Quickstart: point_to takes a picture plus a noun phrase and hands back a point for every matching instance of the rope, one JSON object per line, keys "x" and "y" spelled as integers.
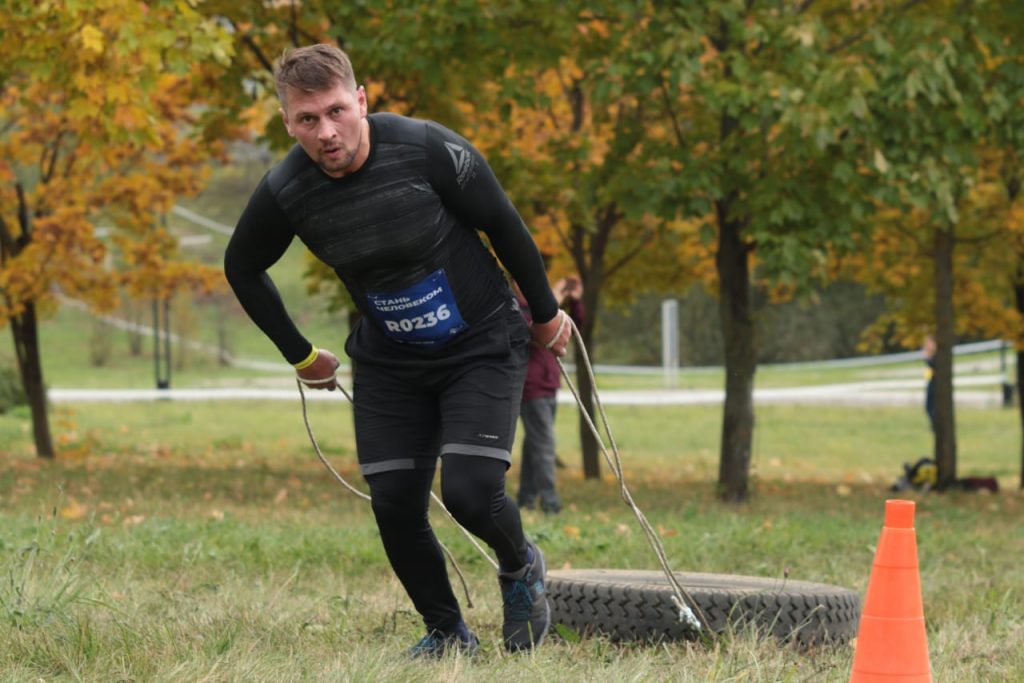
{"x": 682, "y": 600}
{"x": 316, "y": 447}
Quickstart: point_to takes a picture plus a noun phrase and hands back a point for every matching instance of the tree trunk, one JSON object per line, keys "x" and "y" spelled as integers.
{"x": 945, "y": 422}
{"x": 1018, "y": 291}
{"x": 588, "y": 444}
{"x": 588, "y": 249}
{"x": 732, "y": 262}
{"x": 25, "y": 330}
{"x": 1020, "y": 408}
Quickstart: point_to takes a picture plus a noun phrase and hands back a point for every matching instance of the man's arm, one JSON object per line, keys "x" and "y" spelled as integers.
{"x": 468, "y": 187}
{"x": 261, "y": 237}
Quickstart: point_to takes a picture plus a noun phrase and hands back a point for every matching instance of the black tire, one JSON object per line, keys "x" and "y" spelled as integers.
{"x": 637, "y": 606}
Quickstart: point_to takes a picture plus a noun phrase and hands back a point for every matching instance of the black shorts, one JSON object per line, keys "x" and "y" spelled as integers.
{"x": 411, "y": 409}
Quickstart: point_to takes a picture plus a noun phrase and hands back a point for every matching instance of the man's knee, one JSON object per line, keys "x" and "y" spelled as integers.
{"x": 463, "y": 502}
{"x": 470, "y": 485}
{"x": 396, "y": 496}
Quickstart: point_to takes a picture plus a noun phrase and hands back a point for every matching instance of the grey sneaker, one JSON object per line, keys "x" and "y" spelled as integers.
{"x": 436, "y": 645}
{"x": 527, "y": 612}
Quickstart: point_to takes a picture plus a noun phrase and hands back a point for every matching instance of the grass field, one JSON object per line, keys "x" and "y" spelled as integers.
{"x": 204, "y": 542}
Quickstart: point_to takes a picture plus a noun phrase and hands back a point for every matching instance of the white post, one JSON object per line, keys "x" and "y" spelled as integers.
{"x": 670, "y": 340}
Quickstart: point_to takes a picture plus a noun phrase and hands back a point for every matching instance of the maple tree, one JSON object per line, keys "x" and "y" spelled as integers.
{"x": 764, "y": 103}
{"x": 98, "y": 107}
{"x": 948, "y": 133}
{"x": 418, "y": 59}
{"x": 783, "y": 118}
{"x": 562, "y": 127}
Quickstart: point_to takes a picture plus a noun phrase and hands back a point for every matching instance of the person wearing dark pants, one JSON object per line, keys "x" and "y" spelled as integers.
{"x": 928, "y": 351}
{"x": 394, "y": 206}
{"x": 537, "y": 473}
{"x": 539, "y": 406}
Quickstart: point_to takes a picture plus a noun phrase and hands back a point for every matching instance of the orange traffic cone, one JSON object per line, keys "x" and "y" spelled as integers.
{"x": 892, "y": 646}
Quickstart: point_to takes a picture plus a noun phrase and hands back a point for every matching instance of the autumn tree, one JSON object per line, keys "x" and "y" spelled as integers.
{"x": 766, "y": 105}
{"x": 97, "y": 109}
{"x": 948, "y": 131}
{"x": 418, "y": 59}
{"x": 1002, "y": 272}
{"x": 565, "y": 126}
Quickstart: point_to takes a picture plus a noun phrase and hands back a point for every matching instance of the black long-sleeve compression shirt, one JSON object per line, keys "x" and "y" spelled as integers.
{"x": 400, "y": 233}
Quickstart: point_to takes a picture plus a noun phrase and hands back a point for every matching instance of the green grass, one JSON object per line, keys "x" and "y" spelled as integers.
{"x": 203, "y": 541}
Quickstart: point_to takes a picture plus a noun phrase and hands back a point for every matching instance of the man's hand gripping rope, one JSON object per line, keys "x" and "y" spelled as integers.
{"x": 319, "y": 370}
{"x": 554, "y": 334}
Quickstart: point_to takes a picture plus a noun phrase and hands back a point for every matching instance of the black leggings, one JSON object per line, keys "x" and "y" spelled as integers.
{"x": 473, "y": 490}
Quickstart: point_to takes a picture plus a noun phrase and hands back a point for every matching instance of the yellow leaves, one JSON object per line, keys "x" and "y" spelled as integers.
{"x": 132, "y": 520}
{"x": 92, "y": 39}
{"x": 131, "y": 117}
{"x": 101, "y": 127}
{"x": 589, "y": 22}
{"x": 881, "y": 163}
{"x": 73, "y": 510}
{"x": 803, "y": 34}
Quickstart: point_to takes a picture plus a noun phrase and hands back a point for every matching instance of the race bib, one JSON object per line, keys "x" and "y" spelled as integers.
{"x": 424, "y": 314}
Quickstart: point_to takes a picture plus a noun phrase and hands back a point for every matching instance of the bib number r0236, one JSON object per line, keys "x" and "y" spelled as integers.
{"x": 424, "y": 313}
{"x": 420, "y": 322}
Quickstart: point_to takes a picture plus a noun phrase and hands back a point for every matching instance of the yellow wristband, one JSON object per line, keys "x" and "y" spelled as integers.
{"x": 310, "y": 359}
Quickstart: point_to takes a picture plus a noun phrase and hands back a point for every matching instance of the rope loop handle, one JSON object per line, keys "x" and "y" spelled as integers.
{"x": 317, "y": 382}
{"x": 561, "y": 328}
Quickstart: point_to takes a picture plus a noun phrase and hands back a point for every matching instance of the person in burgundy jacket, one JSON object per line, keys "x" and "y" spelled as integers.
{"x": 537, "y": 472}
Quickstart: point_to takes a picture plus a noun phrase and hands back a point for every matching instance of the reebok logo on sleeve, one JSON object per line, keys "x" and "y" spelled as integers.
{"x": 465, "y": 164}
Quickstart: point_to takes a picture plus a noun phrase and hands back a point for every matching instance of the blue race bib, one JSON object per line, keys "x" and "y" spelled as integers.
{"x": 424, "y": 314}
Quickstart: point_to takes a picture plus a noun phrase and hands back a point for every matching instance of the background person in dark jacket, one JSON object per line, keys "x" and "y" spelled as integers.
{"x": 928, "y": 350}
{"x": 538, "y": 462}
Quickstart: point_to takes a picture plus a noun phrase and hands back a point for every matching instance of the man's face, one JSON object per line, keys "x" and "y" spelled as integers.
{"x": 330, "y": 125}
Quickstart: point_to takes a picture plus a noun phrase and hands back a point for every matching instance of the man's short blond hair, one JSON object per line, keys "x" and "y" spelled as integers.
{"x": 313, "y": 68}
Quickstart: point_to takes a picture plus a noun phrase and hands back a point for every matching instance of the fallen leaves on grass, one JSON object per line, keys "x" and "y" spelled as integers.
{"x": 74, "y": 510}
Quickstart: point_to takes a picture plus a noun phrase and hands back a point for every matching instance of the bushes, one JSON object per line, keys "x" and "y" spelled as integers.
{"x": 12, "y": 394}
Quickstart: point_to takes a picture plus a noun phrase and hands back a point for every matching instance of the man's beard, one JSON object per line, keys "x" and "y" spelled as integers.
{"x": 344, "y": 162}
